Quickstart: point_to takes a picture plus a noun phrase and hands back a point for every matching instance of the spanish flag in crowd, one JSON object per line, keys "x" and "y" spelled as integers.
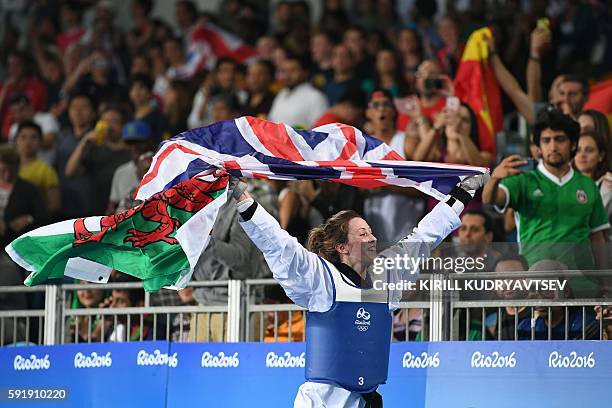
{"x": 476, "y": 85}
{"x": 600, "y": 98}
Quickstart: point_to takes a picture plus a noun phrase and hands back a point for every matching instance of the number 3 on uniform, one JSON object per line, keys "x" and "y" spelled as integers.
{"x": 360, "y": 380}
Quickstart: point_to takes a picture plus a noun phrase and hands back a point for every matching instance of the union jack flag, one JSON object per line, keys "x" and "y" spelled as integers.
{"x": 256, "y": 148}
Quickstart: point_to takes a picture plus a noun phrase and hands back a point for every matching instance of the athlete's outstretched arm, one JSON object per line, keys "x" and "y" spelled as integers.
{"x": 442, "y": 220}
{"x": 300, "y": 272}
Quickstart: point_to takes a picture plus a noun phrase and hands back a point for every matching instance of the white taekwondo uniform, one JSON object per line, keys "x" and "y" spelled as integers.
{"x": 311, "y": 282}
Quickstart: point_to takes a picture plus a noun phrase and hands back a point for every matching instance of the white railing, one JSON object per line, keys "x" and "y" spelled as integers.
{"x": 441, "y": 314}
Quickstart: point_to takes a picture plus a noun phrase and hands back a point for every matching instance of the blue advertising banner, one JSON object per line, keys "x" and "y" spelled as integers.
{"x": 236, "y": 375}
{"x": 90, "y": 375}
{"x": 448, "y": 374}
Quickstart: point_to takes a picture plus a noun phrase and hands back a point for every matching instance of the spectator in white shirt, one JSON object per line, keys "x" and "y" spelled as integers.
{"x": 299, "y": 103}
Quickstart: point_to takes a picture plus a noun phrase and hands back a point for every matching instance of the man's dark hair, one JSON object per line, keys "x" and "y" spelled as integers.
{"x": 28, "y": 124}
{"x": 488, "y": 222}
{"x": 191, "y": 8}
{"x": 269, "y": 66}
{"x": 177, "y": 40}
{"x": 331, "y": 37}
{"x": 116, "y": 108}
{"x": 136, "y": 295}
{"x": 581, "y": 80}
{"x": 354, "y": 96}
{"x": 10, "y": 157}
{"x": 143, "y": 80}
{"x": 147, "y": 5}
{"x": 304, "y": 61}
{"x": 512, "y": 257}
{"x": 225, "y": 60}
{"x": 556, "y": 120}
{"x": 230, "y": 100}
{"x": 87, "y": 96}
{"x": 357, "y": 28}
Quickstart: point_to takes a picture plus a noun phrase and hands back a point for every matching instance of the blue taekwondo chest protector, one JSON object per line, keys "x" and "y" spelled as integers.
{"x": 349, "y": 344}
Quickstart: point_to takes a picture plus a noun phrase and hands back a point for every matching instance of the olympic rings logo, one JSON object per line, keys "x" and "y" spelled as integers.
{"x": 363, "y": 314}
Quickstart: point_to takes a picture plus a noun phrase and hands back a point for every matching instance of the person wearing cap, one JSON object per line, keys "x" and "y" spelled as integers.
{"x": 99, "y": 153}
{"x": 22, "y": 111}
{"x": 140, "y": 141}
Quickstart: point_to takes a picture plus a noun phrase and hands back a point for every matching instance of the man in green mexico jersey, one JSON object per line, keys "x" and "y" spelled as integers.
{"x": 559, "y": 211}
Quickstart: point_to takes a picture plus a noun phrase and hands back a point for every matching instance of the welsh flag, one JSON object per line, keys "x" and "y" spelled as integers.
{"x": 161, "y": 240}
{"x": 476, "y": 85}
{"x": 158, "y": 241}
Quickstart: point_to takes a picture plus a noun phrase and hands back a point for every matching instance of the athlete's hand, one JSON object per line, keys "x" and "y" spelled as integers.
{"x": 474, "y": 183}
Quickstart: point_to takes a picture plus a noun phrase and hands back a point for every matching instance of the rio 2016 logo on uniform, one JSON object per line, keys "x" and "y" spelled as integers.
{"x": 363, "y": 319}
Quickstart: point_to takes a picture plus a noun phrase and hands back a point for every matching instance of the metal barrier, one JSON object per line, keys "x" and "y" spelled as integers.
{"x": 20, "y": 322}
{"x": 172, "y": 323}
{"x": 438, "y": 315}
{"x": 529, "y": 311}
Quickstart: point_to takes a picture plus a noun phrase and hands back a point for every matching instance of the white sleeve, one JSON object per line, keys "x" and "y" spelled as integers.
{"x": 48, "y": 123}
{"x": 300, "y": 272}
{"x": 431, "y": 231}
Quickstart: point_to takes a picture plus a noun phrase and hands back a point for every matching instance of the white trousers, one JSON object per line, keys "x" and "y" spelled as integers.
{"x": 320, "y": 395}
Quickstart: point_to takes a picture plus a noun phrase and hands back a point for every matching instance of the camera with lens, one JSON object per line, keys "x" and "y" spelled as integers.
{"x": 434, "y": 83}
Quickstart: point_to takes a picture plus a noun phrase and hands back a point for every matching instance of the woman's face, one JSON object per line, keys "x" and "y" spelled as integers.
{"x": 588, "y": 155}
{"x": 361, "y": 243}
{"x": 90, "y": 298}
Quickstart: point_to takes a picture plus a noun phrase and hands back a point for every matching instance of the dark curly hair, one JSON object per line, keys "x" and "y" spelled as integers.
{"x": 556, "y": 120}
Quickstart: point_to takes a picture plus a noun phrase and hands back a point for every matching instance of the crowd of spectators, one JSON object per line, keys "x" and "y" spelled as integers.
{"x": 84, "y": 102}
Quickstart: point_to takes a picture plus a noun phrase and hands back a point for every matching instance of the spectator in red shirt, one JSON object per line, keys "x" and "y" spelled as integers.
{"x": 20, "y": 80}
{"x": 349, "y": 110}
